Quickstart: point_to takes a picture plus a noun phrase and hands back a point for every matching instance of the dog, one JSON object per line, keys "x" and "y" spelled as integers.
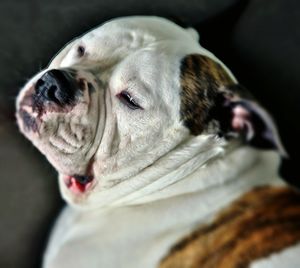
{"x": 164, "y": 159}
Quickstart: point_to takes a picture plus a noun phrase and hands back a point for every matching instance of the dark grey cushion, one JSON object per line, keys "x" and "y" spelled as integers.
{"x": 29, "y": 200}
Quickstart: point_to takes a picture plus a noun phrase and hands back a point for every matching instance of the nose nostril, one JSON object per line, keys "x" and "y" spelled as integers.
{"x": 39, "y": 83}
{"x": 51, "y": 93}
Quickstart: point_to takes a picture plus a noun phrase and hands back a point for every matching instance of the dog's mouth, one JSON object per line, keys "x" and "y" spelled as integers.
{"x": 79, "y": 184}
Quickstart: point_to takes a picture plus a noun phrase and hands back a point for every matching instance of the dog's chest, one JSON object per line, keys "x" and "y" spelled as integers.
{"x": 134, "y": 236}
{"x": 142, "y": 236}
{"x": 127, "y": 237}
{"x": 139, "y": 238}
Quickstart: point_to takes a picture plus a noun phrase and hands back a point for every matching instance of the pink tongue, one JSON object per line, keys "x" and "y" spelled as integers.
{"x": 76, "y": 187}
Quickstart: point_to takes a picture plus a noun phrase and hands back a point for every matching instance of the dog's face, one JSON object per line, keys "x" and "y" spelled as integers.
{"x": 113, "y": 102}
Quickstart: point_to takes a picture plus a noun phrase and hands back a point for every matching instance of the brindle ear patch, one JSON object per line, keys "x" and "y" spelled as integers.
{"x": 201, "y": 78}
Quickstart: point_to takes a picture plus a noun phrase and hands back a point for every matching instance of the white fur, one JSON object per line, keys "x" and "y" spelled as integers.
{"x": 286, "y": 258}
{"x": 154, "y": 182}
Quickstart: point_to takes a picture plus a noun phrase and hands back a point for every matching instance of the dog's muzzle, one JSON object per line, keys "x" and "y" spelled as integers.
{"x": 58, "y": 113}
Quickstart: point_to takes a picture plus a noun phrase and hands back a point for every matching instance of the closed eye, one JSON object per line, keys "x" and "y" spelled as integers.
{"x": 128, "y": 100}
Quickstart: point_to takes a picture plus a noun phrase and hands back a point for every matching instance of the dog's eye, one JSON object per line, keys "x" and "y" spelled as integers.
{"x": 81, "y": 51}
{"x": 126, "y": 99}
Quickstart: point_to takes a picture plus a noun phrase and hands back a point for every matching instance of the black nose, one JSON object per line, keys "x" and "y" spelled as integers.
{"x": 56, "y": 86}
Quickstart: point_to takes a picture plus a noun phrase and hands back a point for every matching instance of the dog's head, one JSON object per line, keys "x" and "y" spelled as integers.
{"x": 115, "y": 102}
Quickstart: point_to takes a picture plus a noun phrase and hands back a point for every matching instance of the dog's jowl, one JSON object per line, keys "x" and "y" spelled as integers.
{"x": 163, "y": 158}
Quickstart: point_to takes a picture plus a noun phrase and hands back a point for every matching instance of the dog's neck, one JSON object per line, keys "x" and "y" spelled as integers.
{"x": 217, "y": 173}
{"x": 206, "y": 165}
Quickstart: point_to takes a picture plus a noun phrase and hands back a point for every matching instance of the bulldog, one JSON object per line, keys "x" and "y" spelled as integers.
{"x": 164, "y": 159}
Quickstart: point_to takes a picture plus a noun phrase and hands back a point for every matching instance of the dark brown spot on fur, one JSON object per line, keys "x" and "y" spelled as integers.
{"x": 263, "y": 221}
{"x": 201, "y": 79}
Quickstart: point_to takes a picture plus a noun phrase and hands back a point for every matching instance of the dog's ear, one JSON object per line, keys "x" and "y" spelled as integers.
{"x": 212, "y": 100}
{"x": 239, "y": 115}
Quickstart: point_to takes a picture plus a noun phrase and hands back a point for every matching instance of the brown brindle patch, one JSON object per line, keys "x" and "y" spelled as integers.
{"x": 201, "y": 79}
{"x": 261, "y": 222}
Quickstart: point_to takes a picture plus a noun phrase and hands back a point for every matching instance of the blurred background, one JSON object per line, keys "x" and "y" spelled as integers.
{"x": 258, "y": 40}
